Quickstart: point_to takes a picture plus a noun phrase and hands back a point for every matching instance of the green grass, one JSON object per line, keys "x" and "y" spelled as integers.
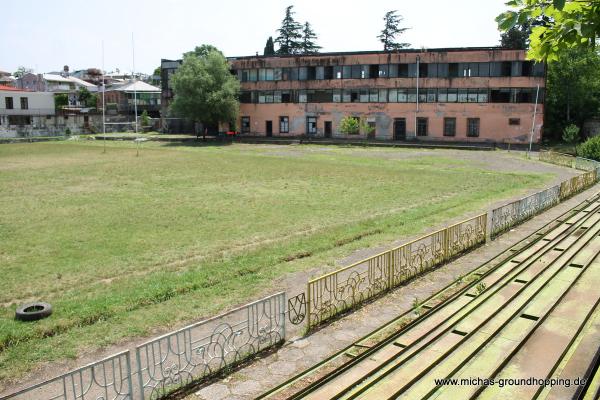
{"x": 124, "y": 245}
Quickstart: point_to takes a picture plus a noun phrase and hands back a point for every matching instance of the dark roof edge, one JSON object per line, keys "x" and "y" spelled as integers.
{"x": 349, "y": 53}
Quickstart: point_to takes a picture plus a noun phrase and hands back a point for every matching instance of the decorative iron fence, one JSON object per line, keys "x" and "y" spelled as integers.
{"x": 552, "y": 157}
{"x": 567, "y": 160}
{"x": 585, "y": 164}
{"x": 200, "y": 350}
{"x": 576, "y": 184}
{"x": 333, "y": 293}
{"x": 511, "y": 214}
{"x": 297, "y": 308}
{"x": 107, "y": 379}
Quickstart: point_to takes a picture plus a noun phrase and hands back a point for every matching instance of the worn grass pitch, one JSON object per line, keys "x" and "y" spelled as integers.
{"x": 124, "y": 245}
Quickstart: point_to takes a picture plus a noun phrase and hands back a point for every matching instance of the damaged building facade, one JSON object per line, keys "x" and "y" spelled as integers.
{"x": 467, "y": 94}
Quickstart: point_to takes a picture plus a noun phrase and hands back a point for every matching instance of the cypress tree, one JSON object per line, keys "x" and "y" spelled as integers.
{"x": 308, "y": 40}
{"x": 269, "y": 47}
{"x": 391, "y": 30}
{"x": 289, "y": 39}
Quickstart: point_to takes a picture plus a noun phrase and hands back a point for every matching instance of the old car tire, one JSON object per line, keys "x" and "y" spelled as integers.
{"x": 33, "y": 311}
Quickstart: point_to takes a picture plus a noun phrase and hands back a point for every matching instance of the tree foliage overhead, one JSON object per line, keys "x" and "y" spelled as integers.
{"x": 205, "y": 91}
{"x": 562, "y": 24}
{"x": 309, "y": 45}
{"x": 290, "y": 34}
{"x": 573, "y": 89}
{"x": 269, "y": 47}
{"x": 516, "y": 37}
{"x": 391, "y": 30}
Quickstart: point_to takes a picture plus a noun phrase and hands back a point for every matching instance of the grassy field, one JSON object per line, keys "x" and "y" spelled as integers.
{"x": 124, "y": 245}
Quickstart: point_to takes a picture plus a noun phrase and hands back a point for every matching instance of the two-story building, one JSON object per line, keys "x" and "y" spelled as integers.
{"x": 454, "y": 94}
{"x": 24, "y": 111}
{"x": 124, "y": 97}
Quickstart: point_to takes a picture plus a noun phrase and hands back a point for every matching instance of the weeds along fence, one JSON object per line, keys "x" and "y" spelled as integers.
{"x": 199, "y": 351}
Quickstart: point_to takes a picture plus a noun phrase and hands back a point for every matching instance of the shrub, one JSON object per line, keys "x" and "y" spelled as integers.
{"x": 350, "y": 125}
{"x": 571, "y": 134}
{"x": 68, "y": 132}
{"x": 590, "y": 148}
{"x": 145, "y": 118}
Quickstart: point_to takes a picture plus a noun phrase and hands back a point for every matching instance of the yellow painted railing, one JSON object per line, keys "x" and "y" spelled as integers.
{"x": 337, "y": 291}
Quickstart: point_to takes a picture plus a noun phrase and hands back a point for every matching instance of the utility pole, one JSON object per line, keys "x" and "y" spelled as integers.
{"x": 537, "y": 94}
{"x": 134, "y": 83}
{"x": 103, "y": 102}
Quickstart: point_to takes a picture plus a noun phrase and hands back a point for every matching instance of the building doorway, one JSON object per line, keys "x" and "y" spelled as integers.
{"x": 399, "y": 128}
{"x": 328, "y": 129}
{"x": 311, "y": 125}
{"x": 269, "y": 128}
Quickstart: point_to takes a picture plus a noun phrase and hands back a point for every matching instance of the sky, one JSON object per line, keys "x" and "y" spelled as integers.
{"x": 46, "y": 35}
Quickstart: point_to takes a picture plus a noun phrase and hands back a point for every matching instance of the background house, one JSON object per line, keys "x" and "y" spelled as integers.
{"x": 120, "y": 98}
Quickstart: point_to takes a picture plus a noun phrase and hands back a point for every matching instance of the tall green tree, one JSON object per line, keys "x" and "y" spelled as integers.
{"x": 61, "y": 100}
{"x": 573, "y": 89}
{"x": 290, "y": 34}
{"x": 203, "y": 50}
{"x": 309, "y": 46}
{"x": 391, "y": 30}
{"x": 269, "y": 47}
{"x": 565, "y": 24}
{"x": 205, "y": 91}
{"x": 22, "y": 71}
{"x": 516, "y": 37}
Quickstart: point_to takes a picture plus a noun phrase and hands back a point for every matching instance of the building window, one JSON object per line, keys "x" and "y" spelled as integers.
{"x": 514, "y": 121}
{"x": 24, "y": 103}
{"x": 245, "y": 124}
{"x": 337, "y": 95}
{"x": 9, "y": 103}
{"x": 311, "y": 125}
{"x": 372, "y": 127}
{"x": 245, "y": 97}
{"x": 364, "y": 95}
{"x": 449, "y": 126}
{"x": 472, "y": 127}
{"x": 20, "y": 120}
{"x": 421, "y": 126}
{"x": 337, "y": 72}
{"x": 284, "y": 125}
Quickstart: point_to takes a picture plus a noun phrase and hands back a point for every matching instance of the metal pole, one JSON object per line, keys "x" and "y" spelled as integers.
{"x": 103, "y": 102}
{"x": 417, "y": 111}
{"x": 537, "y": 93}
{"x": 134, "y": 81}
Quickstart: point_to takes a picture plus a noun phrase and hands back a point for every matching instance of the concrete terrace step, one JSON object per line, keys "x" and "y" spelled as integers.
{"x": 496, "y": 330}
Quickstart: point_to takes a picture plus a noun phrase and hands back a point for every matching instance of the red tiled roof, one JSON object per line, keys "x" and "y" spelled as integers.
{"x": 14, "y": 89}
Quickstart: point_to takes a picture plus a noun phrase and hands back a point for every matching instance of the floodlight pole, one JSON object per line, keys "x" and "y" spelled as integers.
{"x": 134, "y": 90}
{"x": 537, "y": 94}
